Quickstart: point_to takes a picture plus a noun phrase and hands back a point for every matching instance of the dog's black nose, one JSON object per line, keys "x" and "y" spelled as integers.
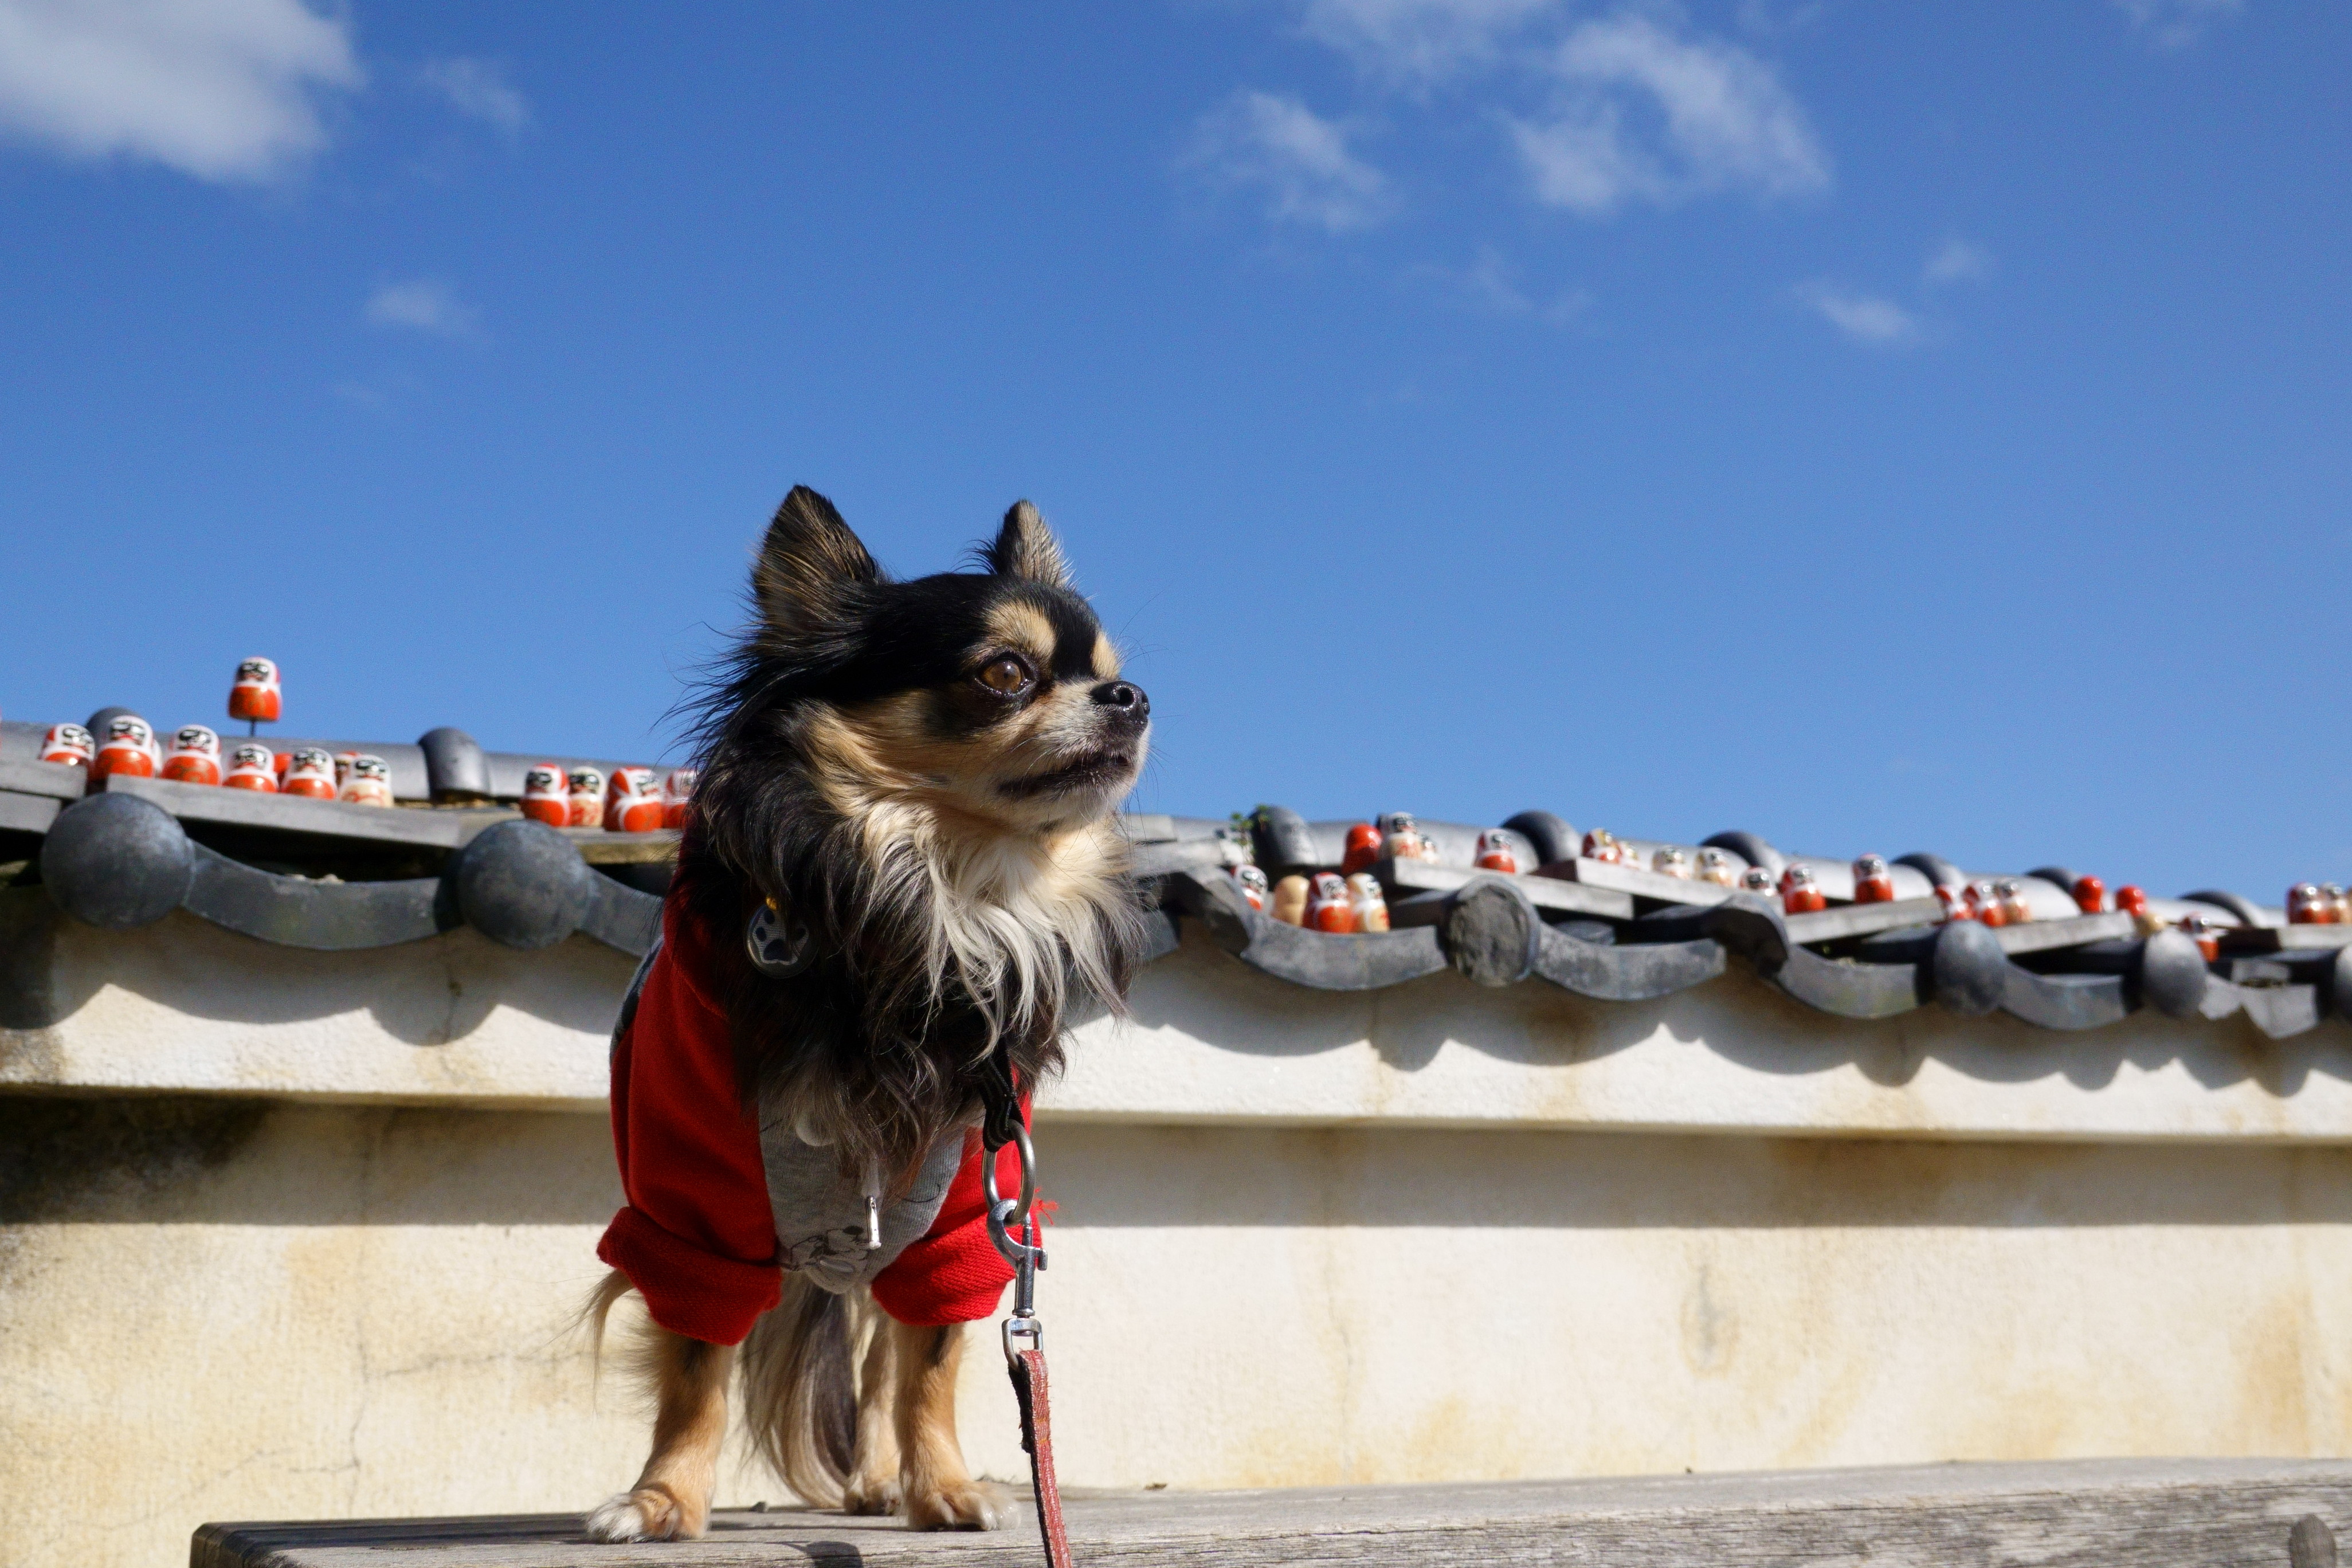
{"x": 1125, "y": 699}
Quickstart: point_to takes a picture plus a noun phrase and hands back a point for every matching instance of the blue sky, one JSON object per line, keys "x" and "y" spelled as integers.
{"x": 1882, "y": 426}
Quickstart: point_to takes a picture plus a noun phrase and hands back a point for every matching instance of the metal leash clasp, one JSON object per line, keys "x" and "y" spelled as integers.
{"x": 1022, "y": 1330}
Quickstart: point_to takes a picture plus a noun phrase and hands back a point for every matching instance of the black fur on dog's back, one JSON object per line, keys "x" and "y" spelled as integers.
{"x": 950, "y": 846}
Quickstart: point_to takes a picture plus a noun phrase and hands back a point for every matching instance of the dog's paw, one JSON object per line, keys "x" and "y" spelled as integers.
{"x": 871, "y": 1497}
{"x": 645, "y": 1514}
{"x": 961, "y": 1505}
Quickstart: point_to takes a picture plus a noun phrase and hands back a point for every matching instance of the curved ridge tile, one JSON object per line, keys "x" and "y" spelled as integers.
{"x": 2280, "y": 1011}
{"x": 2065, "y": 1001}
{"x": 621, "y": 917}
{"x": 325, "y": 917}
{"x": 1630, "y": 973}
{"x": 1328, "y": 962}
{"x": 1847, "y": 990}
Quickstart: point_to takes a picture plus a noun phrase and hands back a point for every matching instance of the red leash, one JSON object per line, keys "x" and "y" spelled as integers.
{"x": 1025, "y": 1336}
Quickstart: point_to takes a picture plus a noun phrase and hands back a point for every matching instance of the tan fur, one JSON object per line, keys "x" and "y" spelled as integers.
{"x": 907, "y": 1458}
{"x": 939, "y": 1492}
{"x": 671, "y": 1500}
{"x": 1023, "y": 627}
{"x": 1005, "y": 902}
{"x": 1106, "y": 658}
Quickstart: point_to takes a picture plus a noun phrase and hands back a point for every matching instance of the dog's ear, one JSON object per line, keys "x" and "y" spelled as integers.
{"x": 806, "y": 563}
{"x": 1024, "y": 548}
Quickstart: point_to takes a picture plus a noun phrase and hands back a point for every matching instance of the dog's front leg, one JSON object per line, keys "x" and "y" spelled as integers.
{"x": 873, "y": 1460}
{"x": 672, "y": 1499}
{"x": 939, "y": 1492}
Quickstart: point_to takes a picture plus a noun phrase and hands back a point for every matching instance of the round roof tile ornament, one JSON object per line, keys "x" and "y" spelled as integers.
{"x": 1971, "y": 969}
{"x": 2172, "y": 973}
{"x": 1492, "y": 934}
{"x": 116, "y": 862}
{"x": 523, "y": 885}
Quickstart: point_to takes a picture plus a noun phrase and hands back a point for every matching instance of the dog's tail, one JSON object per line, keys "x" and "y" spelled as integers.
{"x": 800, "y": 1395}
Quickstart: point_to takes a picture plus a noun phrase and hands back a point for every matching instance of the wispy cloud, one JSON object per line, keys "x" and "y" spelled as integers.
{"x": 1419, "y": 40}
{"x": 1957, "y": 261}
{"x": 220, "y": 89}
{"x": 1297, "y": 161}
{"x": 1864, "y": 317}
{"x": 1650, "y": 116}
{"x": 421, "y": 303}
{"x": 2176, "y": 24}
{"x": 1490, "y": 285}
{"x": 478, "y": 89}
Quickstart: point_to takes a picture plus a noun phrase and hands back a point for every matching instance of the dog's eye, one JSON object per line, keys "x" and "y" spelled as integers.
{"x": 1007, "y": 676}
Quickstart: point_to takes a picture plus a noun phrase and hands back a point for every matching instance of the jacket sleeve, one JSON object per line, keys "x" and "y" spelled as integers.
{"x": 953, "y": 1273}
{"x": 696, "y": 1237}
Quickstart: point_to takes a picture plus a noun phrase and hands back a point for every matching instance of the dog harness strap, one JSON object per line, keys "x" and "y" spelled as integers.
{"x": 1037, "y": 1437}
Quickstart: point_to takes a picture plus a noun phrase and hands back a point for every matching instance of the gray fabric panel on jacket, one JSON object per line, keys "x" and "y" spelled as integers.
{"x": 820, "y": 1214}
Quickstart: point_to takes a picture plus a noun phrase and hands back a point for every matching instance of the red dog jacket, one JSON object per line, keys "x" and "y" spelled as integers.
{"x": 699, "y": 1235}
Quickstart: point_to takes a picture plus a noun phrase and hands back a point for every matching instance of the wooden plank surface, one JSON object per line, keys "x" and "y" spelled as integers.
{"x": 2090, "y": 1513}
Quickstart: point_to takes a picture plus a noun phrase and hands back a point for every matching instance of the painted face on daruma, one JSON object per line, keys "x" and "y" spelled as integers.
{"x": 1012, "y": 703}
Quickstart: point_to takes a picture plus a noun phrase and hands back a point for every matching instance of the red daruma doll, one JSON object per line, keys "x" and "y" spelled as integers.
{"x": 1496, "y": 854}
{"x": 1601, "y": 844}
{"x": 677, "y": 794}
{"x": 310, "y": 774}
{"x": 69, "y": 746}
{"x": 252, "y": 768}
{"x": 367, "y": 781}
{"x": 195, "y": 755}
{"x": 587, "y": 790}
{"x": 1252, "y": 884}
{"x": 1363, "y": 850}
{"x": 1800, "y": 894}
{"x": 255, "y": 697}
{"x": 2090, "y": 895}
{"x": 632, "y": 802}
{"x": 129, "y": 748}
{"x": 1873, "y": 882}
{"x": 1327, "y": 909}
{"x": 545, "y": 796}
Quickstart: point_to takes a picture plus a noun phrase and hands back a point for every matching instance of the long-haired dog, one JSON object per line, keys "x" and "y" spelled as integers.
{"x": 918, "y": 778}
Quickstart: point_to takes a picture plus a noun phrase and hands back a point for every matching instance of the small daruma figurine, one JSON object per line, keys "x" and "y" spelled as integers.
{"x": 1672, "y": 860}
{"x": 1715, "y": 866}
{"x": 309, "y": 773}
{"x": 129, "y": 748}
{"x": 2304, "y": 907}
{"x": 1957, "y": 905}
{"x": 2339, "y": 904}
{"x": 1405, "y": 840}
{"x": 2090, "y": 895}
{"x": 1367, "y": 903}
{"x": 1984, "y": 903}
{"x": 255, "y": 697}
{"x": 587, "y": 788}
{"x": 2014, "y": 909}
{"x": 1290, "y": 901}
{"x": 195, "y": 755}
{"x": 1801, "y": 892}
{"x": 1364, "y": 842}
{"x": 2206, "y": 932}
{"x": 1758, "y": 881}
{"x": 1874, "y": 882}
{"x": 632, "y": 802}
{"x": 252, "y": 768}
{"x": 1601, "y": 844}
{"x": 343, "y": 760}
{"x": 1253, "y": 885}
{"x": 367, "y": 781}
{"x": 69, "y": 746}
{"x": 1327, "y": 909}
{"x": 677, "y": 794}
{"x": 545, "y": 796}
{"x": 1498, "y": 853}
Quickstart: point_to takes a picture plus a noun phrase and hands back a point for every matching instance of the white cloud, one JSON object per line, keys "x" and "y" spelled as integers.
{"x": 479, "y": 88}
{"x": 1419, "y": 40}
{"x": 221, "y": 90}
{"x": 1957, "y": 261}
{"x": 1865, "y": 318}
{"x": 1652, "y": 116}
{"x": 2176, "y": 24}
{"x": 422, "y": 303}
{"x": 1296, "y": 159}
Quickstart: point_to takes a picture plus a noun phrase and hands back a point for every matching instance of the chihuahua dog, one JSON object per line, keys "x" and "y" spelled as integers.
{"x": 900, "y": 859}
